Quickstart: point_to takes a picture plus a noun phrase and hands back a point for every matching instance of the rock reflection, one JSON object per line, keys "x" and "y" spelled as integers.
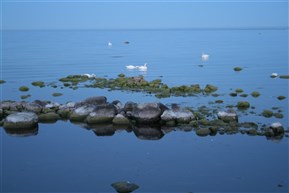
{"x": 22, "y": 132}
{"x": 148, "y": 132}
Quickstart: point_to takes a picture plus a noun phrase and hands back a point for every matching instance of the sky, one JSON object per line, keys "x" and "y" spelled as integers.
{"x": 142, "y": 14}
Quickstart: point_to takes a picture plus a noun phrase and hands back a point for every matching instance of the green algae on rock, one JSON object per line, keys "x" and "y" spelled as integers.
{"x": 237, "y": 69}
{"x": 255, "y": 94}
{"x": 281, "y": 97}
{"x": 243, "y": 105}
{"x": 56, "y": 94}
{"x": 25, "y": 96}
{"x": 267, "y": 113}
{"x": 23, "y": 88}
{"x": 239, "y": 90}
{"x": 2, "y": 81}
{"x": 284, "y": 76}
{"x": 38, "y": 83}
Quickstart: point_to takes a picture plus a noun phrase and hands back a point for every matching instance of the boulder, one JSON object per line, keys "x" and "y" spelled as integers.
{"x": 124, "y": 186}
{"x": 50, "y": 117}
{"x": 32, "y": 107}
{"x": 79, "y": 114}
{"x": 275, "y": 129}
{"x": 119, "y": 119}
{"x": 146, "y": 112}
{"x": 97, "y": 100}
{"x": 228, "y": 116}
{"x": 179, "y": 115}
{"x": 102, "y": 114}
{"x": 203, "y": 132}
{"x": 21, "y": 120}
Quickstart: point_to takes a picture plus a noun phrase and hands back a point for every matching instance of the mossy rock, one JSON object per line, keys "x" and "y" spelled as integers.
{"x": 219, "y": 101}
{"x": 38, "y": 83}
{"x": 237, "y": 69}
{"x": 121, "y": 75}
{"x": 281, "y": 97}
{"x": 25, "y": 96}
{"x": 203, "y": 132}
{"x": 239, "y": 90}
{"x": 284, "y": 76}
{"x": 23, "y": 88}
{"x": 243, "y": 105}
{"x": 278, "y": 115}
{"x": 255, "y": 94}
{"x": 233, "y": 94}
{"x": 64, "y": 113}
{"x": 252, "y": 132}
{"x": 48, "y": 117}
{"x": 243, "y": 95}
{"x": 2, "y": 81}
{"x": 210, "y": 88}
{"x": 57, "y": 94}
{"x": 267, "y": 113}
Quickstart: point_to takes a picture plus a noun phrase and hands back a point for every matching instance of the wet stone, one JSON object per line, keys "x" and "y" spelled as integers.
{"x": 21, "y": 120}
{"x": 124, "y": 186}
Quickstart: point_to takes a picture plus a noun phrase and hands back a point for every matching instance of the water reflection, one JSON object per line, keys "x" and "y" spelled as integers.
{"x": 22, "y": 132}
{"x": 157, "y": 132}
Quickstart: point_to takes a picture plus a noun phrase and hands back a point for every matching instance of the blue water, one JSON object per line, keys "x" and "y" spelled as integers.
{"x": 64, "y": 157}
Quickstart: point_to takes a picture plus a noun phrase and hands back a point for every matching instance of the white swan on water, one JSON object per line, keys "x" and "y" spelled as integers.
{"x": 141, "y": 68}
{"x": 274, "y": 74}
{"x": 205, "y": 57}
{"x": 131, "y": 67}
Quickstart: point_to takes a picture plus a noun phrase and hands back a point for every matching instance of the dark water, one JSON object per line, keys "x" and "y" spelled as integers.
{"x": 64, "y": 157}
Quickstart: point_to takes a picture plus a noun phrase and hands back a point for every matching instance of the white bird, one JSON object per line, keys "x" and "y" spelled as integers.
{"x": 109, "y": 44}
{"x": 143, "y": 67}
{"x": 90, "y": 75}
{"x": 205, "y": 57}
{"x": 274, "y": 75}
{"x": 131, "y": 67}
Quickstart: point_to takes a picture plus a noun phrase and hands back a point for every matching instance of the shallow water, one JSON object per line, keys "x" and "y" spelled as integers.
{"x": 179, "y": 161}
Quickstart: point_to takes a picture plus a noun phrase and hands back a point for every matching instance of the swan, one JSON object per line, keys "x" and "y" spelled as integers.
{"x": 131, "y": 67}
{"x": 90, "y": 75}
{"x": 273, "y": 75}
{"x": 109, "y": 44}
{"x": 143, "y": 68}
{"x": 205, "y": 57}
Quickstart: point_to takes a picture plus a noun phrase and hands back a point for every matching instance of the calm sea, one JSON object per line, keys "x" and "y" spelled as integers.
{"x": 64, "y": 157}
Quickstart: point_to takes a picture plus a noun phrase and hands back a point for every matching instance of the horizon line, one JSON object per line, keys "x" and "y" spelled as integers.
{"x": 181, "y": 28}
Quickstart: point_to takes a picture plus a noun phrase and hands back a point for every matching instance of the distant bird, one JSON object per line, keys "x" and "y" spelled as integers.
{"x": 131, "y": 67}
{"x": 273, "y": 75}
{"x": 205, "y": 57}
{"x": 143, "y": 67}
{"x": 109, "y": 44}
{"x": 90, "y": 75}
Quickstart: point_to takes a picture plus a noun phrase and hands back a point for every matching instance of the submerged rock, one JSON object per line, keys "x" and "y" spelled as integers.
{"x": 21, "y": 120}
{"x": 203, "y": 132}
{"x": 228, "y": 116}
{"x": 124, "y": 186}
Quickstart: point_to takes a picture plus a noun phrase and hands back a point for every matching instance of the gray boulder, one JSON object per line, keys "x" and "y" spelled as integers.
{"x": 179, "y": 115}
{"x": 119, "y": 119}
{"x": 32, "y": 107}
{"x": 79, "y": 114}
{"x": 102, "y": 114}
{"x": 97, "y": 100}
{"x": 146, "y": 112}
{"x": 21, "y": 120}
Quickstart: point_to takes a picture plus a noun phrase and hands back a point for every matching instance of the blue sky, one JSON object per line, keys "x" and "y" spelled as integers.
{"x": 148, "y": 14}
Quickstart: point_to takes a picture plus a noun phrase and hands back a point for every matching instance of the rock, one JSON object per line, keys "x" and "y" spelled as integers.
{"x": 124, "y": 186}
{"x": 129, "y": 106}
{"x": 80, "y": 113}
{"x": 275, "y": 129}
{"x": 32, "y": 107}
{"x": 119, "y": 119}
{"x": 228, "y": 116}
{"x": 179, "y": 115}
{"x": 21, "y": 120}
{"x": 102, "y": 114}
{"x": 243, "y": 105}
{"x": 48, "y": 117}
{"x": 146, "y": 112}
{"x": 203, "y": 132}
{"x": 97, "y": 100}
